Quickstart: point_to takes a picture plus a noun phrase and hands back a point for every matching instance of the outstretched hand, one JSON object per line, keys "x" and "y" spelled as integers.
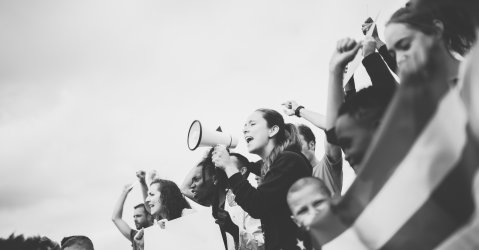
{"x": 369, "y": 46}
{"x": 345, "y": 52}
{"x": 141, "y": 174}
{"x": 290, "y": 107}
{"x": 127, "y": 188}
{"x": 140, "y": 241}
{"x": 221, "y": 157}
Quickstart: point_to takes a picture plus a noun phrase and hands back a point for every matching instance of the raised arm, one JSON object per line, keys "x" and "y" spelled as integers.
{"x": 185, "y": 186}
{"x": 345, "y": 51}
{"x": 118, "y": 212}
{"x": 317, "y": 119}
{"x": 144, "y": 188}
{"x": 379, "y": 73}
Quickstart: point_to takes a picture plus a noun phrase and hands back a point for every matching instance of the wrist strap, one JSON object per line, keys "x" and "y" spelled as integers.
{"x": 298, "y": 110}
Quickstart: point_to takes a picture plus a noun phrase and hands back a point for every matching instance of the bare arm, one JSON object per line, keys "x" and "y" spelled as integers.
{"x": 345, "y": 51}
{"x": 118, "y": 212}
{"x": 185, "y": 186}
{"x": 144, "y": 188}
{"x": 315, "y": 118}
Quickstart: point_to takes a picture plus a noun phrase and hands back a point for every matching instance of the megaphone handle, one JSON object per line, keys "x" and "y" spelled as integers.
{"x": 231, "y": 141}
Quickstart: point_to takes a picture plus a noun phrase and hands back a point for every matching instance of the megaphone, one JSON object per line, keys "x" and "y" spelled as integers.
{"x": 199, "y": 137}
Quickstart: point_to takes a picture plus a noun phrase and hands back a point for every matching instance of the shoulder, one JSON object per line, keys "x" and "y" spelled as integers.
{"x": 187, "y": 211}
{"x": 292, "y": 159}
{"x": 132, "y": 234}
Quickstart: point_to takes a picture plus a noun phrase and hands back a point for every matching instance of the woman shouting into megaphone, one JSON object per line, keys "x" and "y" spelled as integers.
{"x": 279, "y": 147}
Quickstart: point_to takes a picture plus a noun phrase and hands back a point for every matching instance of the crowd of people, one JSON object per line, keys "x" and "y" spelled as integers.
{"x": 423, "y": 40}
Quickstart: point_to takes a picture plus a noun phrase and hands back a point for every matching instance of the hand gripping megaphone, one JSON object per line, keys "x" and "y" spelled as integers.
{"x": 199, "y": 137}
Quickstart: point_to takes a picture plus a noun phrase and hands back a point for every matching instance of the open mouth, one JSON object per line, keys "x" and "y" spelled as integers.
{"x": 248, "y": 139}
{"x": 194, "y": 193}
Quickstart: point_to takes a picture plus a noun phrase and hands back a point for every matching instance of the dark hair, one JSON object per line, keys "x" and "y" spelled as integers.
{"x": 77, "y": 240}
{"x": 172, "y": 200}
{"x": 468, "y": 9}
{"x": 286, "y": 138}
{"x": 307, "y": 133}
{"x": 140, "y": 205}
{"x": 458, "y": 35}
{"x": 243, "y": 162}
{"x": 368, "y": 102}
{"x": 19, "y": 242}
{"x": 209, "y": 169}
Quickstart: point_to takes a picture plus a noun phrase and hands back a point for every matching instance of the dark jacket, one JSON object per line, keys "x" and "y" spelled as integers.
{"x": 268, "y": 201}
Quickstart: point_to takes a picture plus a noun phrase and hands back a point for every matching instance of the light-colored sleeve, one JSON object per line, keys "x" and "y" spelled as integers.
{"x": 251, "y": 235}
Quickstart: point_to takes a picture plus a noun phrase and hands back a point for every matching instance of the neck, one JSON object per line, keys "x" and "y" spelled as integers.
{"x": 221, "y": 193}
{"x": 452, "y": 69}
{"x": 314, "y": 161}
{"x": 267, "y": 150}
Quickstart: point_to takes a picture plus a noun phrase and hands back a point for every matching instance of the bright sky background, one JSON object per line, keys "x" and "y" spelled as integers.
{"x": 92, "y": 91}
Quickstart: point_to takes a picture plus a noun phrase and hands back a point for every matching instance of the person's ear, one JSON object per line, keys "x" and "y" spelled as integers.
{"x": 273, "y": 131}
{"x": 312, "y": 145}
{"x": 296, "y": 221}
{"x": 243, "y": 170}
{"x": 439, "y": 27}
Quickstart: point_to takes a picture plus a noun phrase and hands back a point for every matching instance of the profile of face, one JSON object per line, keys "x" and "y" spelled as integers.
{"x": 140, "y": 217}
{"x": 307, "y": 148}
{"x": 411, "y": 47}
{"x": 305, "y": 204}
{"x": 354, "y": 138}
{"x": 153, "y": 199}
{"x": 256, "y": 132}
{"x": 258, "y": 179}
{"x": 202, "y": 188}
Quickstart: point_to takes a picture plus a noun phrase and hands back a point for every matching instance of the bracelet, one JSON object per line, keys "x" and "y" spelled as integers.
{"x": 298, "y": 110}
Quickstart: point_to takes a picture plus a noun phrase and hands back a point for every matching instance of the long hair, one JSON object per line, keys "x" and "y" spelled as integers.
{"x": 171, "y": 199}
{"x": 286, "y": 138}
{"x": 458, "y": 34}
{"x": 467, "y": 8}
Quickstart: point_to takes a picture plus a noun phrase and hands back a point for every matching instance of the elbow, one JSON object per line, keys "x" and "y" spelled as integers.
{"x": 115, "y": 218}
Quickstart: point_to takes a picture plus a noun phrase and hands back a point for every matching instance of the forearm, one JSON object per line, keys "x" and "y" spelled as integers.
{"x": 144, "y": 190}
{"x": 379, "y": 73}
{"x": 335, "y": 96}
{"x": 316, "y": 119}
{"x": 117, "y": 216}
{"x": 118, "y": 209}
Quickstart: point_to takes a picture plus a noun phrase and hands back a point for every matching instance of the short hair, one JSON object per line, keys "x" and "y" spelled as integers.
{"x": 19, "y": 242}
{"x": 306, "y": 132}
{"x": 373, "y": 100}
{"x": 309, "y": 181}
{"x": 77, "y": 240}
{"x": 243, "y": 162}
{"x": 142, "y": 205}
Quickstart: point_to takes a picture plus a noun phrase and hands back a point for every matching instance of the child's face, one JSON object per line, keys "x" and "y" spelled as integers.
{"x": 305, "y": 204}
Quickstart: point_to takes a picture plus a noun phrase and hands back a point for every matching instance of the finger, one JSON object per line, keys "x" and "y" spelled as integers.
{"x": 338, "y": 45}
{"x": 342, "y": 44}
{"x": 350, "y": 44}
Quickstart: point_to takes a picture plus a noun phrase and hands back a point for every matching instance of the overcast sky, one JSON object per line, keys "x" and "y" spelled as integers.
{"x": 92, "y": 91}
